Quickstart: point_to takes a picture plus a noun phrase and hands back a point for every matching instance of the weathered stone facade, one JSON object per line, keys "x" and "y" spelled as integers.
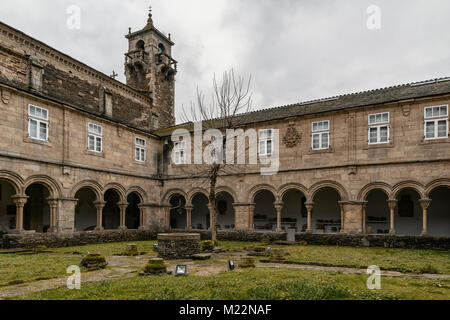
{"x": 352, "y": 187}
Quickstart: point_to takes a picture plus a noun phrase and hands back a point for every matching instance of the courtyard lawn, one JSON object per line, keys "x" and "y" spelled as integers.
{"x": 109, "y": 249}
{"x": 402, "y": 260}
{"x": 253, "y": 284}
{"x": 21, "y": 268}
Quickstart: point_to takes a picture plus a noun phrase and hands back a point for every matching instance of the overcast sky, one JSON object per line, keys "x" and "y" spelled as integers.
{"x": 295, "y": 50}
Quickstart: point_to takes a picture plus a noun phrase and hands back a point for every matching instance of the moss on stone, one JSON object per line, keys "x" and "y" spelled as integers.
{"x": 207, "y": 245}
{"x": 247, "y": 262}
{"x": 154, "y": 267}
{"x": 93, "y": 262}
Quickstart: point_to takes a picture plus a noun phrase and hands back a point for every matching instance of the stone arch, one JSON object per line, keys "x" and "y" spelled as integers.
{"x": 259, "y": 188}
{"x": 382, "y": 186}
{"x": 139, "y": 191}
{"x": 328, "y": 184}
{"x": 191, "y": 195}
{"x": 292, "y": 186}
{"x": 444, "y": 182}
{"x": 118, "y": 188}
{"x": 53, "y": 186}
{"x": 14, "y": 179}
{"x": 416, "y": 186}
{"x": 228, "y": 190}
{"x": 169, "y": 194}
{"x": 92, "y": 185}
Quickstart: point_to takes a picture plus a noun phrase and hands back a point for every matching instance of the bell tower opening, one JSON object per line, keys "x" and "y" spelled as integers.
{"x": 150, "y": 69}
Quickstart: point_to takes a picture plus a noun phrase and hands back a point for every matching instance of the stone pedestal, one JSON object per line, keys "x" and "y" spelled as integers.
{"x": 178, "y": 245}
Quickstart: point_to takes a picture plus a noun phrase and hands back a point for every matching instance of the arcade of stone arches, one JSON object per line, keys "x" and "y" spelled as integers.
{"x": 405, "y": 209}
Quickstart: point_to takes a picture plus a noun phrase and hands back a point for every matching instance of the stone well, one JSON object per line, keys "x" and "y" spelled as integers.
{"x": 178, "y": 245}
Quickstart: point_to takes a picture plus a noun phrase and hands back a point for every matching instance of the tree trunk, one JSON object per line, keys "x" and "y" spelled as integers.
{"x": 213, "y": 203}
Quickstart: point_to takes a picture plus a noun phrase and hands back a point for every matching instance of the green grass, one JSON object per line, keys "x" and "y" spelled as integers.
{"x": 109, "y": 249}
{"x": 403, "y": 260}
{"x": 17, "y": 268}
{"x": 259, "y": 284}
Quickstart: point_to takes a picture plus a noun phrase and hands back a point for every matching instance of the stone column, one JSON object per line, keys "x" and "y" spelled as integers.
{"x": 251, "y": 217}
{"x": 425, "y": 203}
{"x": 342, "y": 206}
{"x": 123, "y": 215}
{"x": 53, "y": 204}
{"x": 309, "y": 207}
{"x": 189, "y": 210}
{"x": 279, "y": 208}
{"x": 19, "y": 201}
{"x": 392, "y": 205}
{"x": 364, "y": 217}
{"x": 99, "y": 205}
{"x": 142, "y": 218}
{"x": 242, "y": 216}
{"x": 66, "y": 215}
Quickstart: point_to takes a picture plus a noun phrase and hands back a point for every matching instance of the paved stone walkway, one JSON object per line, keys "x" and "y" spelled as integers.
{"x": 128, "y": 267}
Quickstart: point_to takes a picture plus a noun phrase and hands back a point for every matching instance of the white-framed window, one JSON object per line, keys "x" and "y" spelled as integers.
{"x": 321, "y": 135}
{"x": 140, "y": 147}
{"x": 179, "y": 153}
{"x": 266, "y": 142}
{"x": 95, "y": 138}
{"x": 37, "y": 123}
{"x": 379, "y": 129}
{"x": 436, "y": 122}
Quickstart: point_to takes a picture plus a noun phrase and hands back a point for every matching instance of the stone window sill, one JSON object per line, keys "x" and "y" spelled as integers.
{"x": 434, "y": 141}
{"x": 39, "y": 142}
{"x": 311, "y": 151}
{"x": 379, "y": 146}
{"x": 95, "y": 154}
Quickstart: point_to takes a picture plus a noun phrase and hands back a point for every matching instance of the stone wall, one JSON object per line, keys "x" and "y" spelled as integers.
{"x": 53, "y": 240}
{"x": 95, "y": 237}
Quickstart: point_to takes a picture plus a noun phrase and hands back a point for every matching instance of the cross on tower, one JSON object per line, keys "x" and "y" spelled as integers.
{"x": 114, "y": 75}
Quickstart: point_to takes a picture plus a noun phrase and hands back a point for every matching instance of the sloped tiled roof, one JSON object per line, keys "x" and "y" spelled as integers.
{"x": 415, "y": 90}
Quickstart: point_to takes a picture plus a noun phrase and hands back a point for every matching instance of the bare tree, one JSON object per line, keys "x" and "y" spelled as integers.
{"x": 230, "y": 99}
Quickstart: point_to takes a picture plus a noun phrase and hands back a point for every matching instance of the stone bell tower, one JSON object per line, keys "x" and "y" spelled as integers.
{"x": 150, "y": 69}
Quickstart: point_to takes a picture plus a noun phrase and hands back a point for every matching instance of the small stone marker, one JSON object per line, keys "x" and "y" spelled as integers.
{"x": 131, "y": 250}
{"x": 201, "y": 256}
{"x": 93, "y": 262}
{"x": 291, "y": 235}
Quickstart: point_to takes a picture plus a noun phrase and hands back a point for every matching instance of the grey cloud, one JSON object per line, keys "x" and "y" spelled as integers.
{"x": 295, "y": 50}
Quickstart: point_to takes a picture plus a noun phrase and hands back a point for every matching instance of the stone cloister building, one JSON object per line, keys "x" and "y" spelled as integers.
{"x": 80, "y": 152}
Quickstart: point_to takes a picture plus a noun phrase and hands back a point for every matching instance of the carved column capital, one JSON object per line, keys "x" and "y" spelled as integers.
{"x": 392, "y": 203}
{"x": 425, "y": 203}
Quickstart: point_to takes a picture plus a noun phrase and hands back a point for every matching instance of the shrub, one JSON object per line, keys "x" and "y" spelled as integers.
{"x": 267, "y": 240}
{"x": 207, "y": 245}
{"x": 429, "y": 268}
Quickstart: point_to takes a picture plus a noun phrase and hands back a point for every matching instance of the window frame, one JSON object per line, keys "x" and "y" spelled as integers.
{"x": 180, "y": 151}
{"x": 39, "y": 120}
{"x": 435, "y": 120}
{"x": 96, "y": 136}
{"x": 140, "y": 148}
{"x": 266, "y": 141}
{"x": 378, "y": 126}
{"x": 320, "y": 133}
